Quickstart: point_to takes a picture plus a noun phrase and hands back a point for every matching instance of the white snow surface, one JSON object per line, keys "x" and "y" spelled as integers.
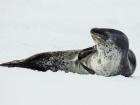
{"x": 28, "y": 27}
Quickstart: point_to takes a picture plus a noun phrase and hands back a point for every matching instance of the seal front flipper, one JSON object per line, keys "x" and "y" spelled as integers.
{"x": 85, "y": 53}
{"x": 88, "y": 69}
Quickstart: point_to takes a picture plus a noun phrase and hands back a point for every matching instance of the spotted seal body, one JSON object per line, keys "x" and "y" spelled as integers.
{"x": 110, "y": 56}
{"x": 107, "y": 60}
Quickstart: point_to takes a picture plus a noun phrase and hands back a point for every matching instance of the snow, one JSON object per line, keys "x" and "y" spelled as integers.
{"x": 28, "y": 27}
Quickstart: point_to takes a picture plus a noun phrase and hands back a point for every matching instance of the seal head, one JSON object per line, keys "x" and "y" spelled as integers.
{"x": 114, "y": 56}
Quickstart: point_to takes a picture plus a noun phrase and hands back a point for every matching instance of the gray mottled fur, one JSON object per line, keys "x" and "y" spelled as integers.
{"x": 60, "y": 60}
{"x": 110, "y": 56}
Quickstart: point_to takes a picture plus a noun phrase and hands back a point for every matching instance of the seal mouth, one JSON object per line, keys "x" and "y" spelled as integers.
{"x": 98, "y": 35}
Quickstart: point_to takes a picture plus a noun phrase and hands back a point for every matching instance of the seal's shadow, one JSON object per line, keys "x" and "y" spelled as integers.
{"x": 135, "y": 77}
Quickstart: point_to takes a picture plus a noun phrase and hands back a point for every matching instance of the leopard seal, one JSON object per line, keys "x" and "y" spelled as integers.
{"x": 109, "y": 56}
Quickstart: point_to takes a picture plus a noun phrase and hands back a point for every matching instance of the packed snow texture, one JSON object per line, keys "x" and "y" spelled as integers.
{"x": 28, "y": 27}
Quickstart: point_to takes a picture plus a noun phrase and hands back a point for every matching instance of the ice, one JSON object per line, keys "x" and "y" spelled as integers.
{"x": 28, "y": 27}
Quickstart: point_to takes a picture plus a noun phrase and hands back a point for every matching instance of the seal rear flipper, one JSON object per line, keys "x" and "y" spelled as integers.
{"x": 15, "y": 63}
{"x": 35, "y": 62}
{"x": 22, "y": 64}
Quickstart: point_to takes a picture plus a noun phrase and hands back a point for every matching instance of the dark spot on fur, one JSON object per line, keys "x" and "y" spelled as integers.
{"x": 105, "y": 70}
{"x": 99, "y": 61}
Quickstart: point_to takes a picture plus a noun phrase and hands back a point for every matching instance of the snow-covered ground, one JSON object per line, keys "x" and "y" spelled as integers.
{"x": 33, "y": 26}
